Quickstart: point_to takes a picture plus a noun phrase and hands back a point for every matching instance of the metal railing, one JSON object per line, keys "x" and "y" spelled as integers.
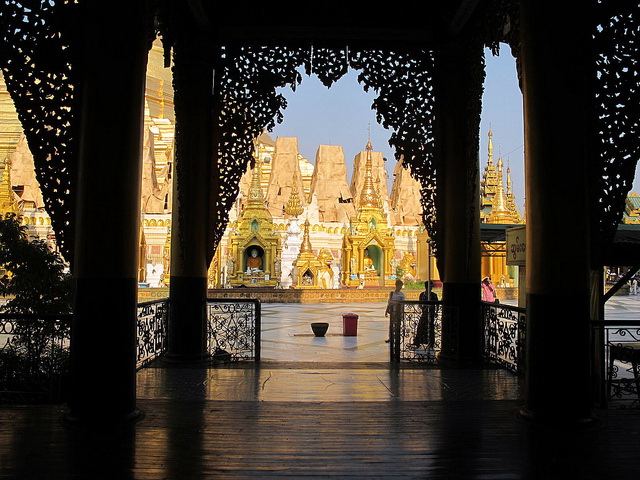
{"x": 621, "y": 357}
{"x": 34, "y": 357}
{"x": 416, "y": 331}
{"x": 233, "y": 328}
{"x": 420, "y": 329}
{"x": 504, "y": 330}
{"x": 151, "y": 327}
{"x": 34, "y": 349}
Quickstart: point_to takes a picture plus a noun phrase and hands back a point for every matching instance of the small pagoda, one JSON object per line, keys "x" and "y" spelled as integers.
{"x": 254, "y": 245}
{"x": 368, "y": 246}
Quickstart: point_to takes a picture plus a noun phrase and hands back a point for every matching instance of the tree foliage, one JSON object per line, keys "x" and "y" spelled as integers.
{"x": 35, "y": 278}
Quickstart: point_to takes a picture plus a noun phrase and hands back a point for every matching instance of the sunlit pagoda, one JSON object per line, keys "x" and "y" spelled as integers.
{"x": 311, "y": 271}
{"x": 368, "y": 246}
{"x": 254, "y": 245}
{"x": 497, "y": 204}
{"x": 498, "y": 207}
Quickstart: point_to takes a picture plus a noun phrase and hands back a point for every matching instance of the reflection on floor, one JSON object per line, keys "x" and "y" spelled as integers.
{"x": 325, "y": 382}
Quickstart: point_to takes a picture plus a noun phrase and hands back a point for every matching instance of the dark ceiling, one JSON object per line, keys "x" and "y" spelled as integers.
{"x": 332, "y": 22}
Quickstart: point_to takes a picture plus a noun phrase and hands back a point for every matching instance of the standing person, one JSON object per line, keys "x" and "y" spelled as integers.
{"x": 426, "y": 325}
{"x": 395, "y": 296}
{"x": 488, "y": 291}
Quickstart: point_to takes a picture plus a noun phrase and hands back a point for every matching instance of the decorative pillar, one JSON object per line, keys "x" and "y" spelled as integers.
{"x": 458, "y": 90}
{"x": 557, "y": 72}
{"x": 103, "y": 336}
{"x": 193, "y": 78}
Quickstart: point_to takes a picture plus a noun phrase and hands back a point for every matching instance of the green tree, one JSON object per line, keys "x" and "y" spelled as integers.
{"x": 34, "y": 358}
{"x": 35, "y": 280}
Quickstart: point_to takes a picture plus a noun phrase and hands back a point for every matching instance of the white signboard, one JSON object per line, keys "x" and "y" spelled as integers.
{"x": 516, "y": 246}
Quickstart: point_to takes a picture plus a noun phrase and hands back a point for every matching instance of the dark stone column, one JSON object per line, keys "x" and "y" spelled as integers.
{"x": 193, "y": 80}
{"x": 103, "y": 337}
{"x": 458, "y": 91}
{"x": 557, "y": 72}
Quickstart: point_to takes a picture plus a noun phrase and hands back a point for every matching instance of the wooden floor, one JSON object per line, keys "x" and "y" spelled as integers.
{"x": 186, "y": 437}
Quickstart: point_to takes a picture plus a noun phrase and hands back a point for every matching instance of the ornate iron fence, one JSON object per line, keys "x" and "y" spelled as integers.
{"x": 504, "y": 335}
{"x": 416, "y": 332}
{"x": 621, "y": 356}
{"x": 151, "y": 331}
{"x": 233, "y": 329}
{"x": 34, "y": 357}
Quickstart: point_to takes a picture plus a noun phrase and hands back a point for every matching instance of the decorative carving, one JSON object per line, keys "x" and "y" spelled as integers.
{"x": 40, "y": 63}
{"x": 617, "y": 41}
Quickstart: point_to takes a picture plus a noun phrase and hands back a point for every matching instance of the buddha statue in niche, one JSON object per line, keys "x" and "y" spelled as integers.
{"x": 368, "y": 262}
{"x": 254, "y": 261}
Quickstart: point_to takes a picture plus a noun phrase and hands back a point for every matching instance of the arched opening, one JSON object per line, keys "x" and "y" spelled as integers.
{"x": 375, "y": 252}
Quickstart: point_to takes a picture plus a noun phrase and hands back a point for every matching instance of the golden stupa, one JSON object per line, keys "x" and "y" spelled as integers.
{"x": 368, "y": 246}
{"x": 254, "y": 244}
{"x": 308, "y": 268}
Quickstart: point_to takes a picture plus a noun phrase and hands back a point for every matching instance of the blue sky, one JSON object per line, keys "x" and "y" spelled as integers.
{"x": 342, "y": 115}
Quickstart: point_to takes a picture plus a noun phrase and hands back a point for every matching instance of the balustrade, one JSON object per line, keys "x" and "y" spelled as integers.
{"x": 151, "y": 329}
{"x": 621, "y": 357}
{"x": 233, "y": 329}
{"x": 504, "y": 336}
{"x": 416, "y": 330}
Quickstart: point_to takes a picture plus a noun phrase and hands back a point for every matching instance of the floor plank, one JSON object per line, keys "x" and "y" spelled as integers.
{"x": 244, "y": 439}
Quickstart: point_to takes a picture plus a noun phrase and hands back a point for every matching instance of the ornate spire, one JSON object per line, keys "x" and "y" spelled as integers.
{"x": 369, "y": 196}
{"x": 499, "y": 211}
{"x": 256, "y": 198}
{"x": 294, "y": 206}
{"x": 7, "y": 201}
{"x": 511, "y": 200}
{"x": 306, "y": 242}
{"x": 489, "y": 183}
{"x": 490, "y": 149}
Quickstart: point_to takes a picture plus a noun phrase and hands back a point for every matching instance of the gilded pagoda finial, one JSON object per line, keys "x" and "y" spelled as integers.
{"x": 370, "y": 196}
{"x": 294, "y": 206}
{"x": 490, "y": 148}
{"x": 511, "y": 199}
{"x": 306, "y": 241}
{"x": 499, "y": 210}
{"x": 256, "y": 198}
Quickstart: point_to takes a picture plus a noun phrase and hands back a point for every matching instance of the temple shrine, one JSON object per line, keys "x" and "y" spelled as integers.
{"x": 368, "y": 246}
{"x": 254, "y": 247}
{"x": 360, "y": 234}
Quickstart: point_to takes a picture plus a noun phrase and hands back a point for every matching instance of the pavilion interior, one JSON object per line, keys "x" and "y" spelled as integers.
{"x": 580, "y": 87}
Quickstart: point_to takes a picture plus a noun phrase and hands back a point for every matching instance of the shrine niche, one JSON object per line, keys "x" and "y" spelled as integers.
{"x": 254, "y": 245}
